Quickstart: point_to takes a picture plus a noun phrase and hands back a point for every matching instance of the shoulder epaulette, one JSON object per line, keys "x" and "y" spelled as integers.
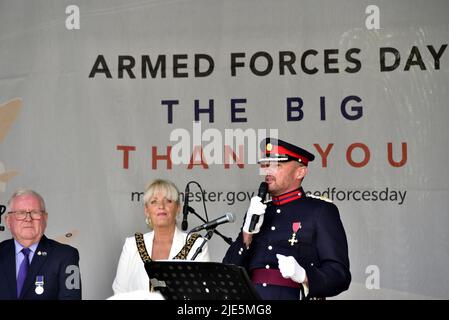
{"x": 319, "y": 198}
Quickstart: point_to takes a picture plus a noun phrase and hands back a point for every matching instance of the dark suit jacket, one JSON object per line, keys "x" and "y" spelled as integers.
{"x": 57, "y": 263}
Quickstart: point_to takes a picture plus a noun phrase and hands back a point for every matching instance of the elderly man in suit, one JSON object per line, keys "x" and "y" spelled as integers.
{"x": 33, "y": 267}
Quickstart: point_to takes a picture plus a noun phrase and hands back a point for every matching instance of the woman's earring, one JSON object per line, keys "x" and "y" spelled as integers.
{"x": 148, "y": 222}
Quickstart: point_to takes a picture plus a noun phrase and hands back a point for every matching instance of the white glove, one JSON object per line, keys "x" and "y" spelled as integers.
{"x": 256, "y": 208}
{"x": 290, "y": 268}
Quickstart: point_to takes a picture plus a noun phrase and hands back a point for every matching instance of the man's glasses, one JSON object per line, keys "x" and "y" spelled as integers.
{"x": 22, "y": 215}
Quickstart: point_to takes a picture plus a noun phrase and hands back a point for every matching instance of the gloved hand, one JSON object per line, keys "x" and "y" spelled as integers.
{"x": 256, "y": 207}
{"x": 290, "y": 268}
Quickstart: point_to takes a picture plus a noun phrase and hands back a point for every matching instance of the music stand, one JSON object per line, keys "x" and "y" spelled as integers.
{"x": 191, "y": 280}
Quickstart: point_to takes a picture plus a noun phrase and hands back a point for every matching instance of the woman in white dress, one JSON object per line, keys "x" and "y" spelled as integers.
{"x": 164, "y": 242}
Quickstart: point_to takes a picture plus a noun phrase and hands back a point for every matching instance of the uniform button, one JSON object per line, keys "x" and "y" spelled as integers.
{"x": 267, "y": 267}
{"x": 270, "y": 248}
{"x": 240, "y": 252}
{"x": 311, "y": 264}
{"x": 278, "y": 210}
{"x": 273, "y": 228}
{"x": 264, "y": 284}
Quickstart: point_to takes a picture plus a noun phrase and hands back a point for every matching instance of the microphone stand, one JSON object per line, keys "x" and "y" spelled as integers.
{"x": 209, "y": 234}
{"x": 226, "y": 239}
{"x": 2, "y": 228}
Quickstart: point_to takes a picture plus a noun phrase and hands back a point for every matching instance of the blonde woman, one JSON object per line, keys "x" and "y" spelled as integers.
{"x": 164, "y": 242}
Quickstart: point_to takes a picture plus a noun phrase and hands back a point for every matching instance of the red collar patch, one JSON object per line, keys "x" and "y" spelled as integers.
{"x": 287, "y": 197}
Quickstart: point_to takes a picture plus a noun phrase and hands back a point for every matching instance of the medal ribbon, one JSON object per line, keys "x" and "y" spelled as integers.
{"x": 296, "y": 226}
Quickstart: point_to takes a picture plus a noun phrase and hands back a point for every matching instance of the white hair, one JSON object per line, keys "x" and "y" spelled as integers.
{"x": 23, "y": 192}
{"x": 166, "y": 188}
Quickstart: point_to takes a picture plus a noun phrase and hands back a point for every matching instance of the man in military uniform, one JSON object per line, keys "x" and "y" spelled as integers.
{"x": 298, "y": 248}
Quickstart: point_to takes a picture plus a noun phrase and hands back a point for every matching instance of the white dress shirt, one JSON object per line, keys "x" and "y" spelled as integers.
{"x": 131, "y": 274}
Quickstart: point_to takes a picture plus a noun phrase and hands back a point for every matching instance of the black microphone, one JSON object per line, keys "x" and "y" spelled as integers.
{"x": 263, "y": 189}
{"x": 228, "y": 217}
{"x": 185, "y": 209}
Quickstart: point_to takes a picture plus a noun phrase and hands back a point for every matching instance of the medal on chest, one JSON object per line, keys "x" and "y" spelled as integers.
{"x": 39, "y": 285}
{"x": 295, "y": 227}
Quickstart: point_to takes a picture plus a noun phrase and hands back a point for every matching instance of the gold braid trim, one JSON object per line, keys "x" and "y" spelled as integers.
{"x": 182, "y": 255}
{"x": 146, "y": 257}
{"x": 141, "y": 247}
{"x": 143, "y": 252}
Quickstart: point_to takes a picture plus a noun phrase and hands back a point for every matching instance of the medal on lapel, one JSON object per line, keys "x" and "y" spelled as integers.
{"x": 295, "y": 227}
{"x": 39, "y": 285}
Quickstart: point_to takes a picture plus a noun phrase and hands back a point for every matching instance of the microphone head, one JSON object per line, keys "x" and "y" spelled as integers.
{"x": 263, "y": 189}
{"x": 230, "y": 216}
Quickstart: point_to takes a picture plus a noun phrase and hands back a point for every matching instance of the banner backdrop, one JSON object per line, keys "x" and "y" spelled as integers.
{"x": 98, "y": 98}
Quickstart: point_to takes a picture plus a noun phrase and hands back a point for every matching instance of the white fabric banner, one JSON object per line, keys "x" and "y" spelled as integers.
{"x": 94, "y": 96}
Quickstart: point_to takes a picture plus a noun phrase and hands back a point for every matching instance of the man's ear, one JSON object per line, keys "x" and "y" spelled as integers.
{"x": 301, "y": 171}
{"x": 45, "y": 216}
{"x": 8, "y": 221}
